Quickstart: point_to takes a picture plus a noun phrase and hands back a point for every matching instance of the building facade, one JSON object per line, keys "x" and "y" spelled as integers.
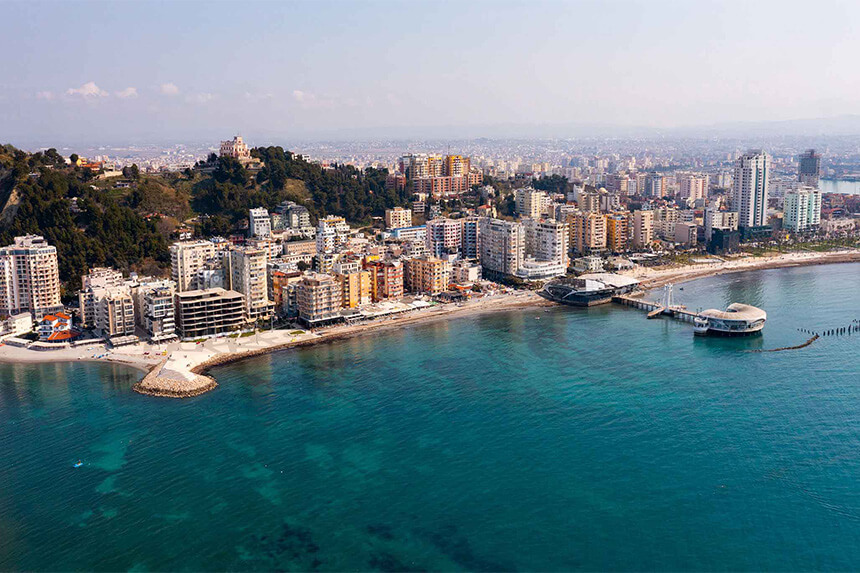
{"x": 29, "y": 278}
{"x": 750, "y": 188}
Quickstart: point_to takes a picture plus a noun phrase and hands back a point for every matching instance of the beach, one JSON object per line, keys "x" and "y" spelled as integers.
{"x": 179, "y": 369}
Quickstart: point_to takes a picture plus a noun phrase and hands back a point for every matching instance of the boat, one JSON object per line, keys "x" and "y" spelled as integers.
{"x": 737, "y": 320}
{"x": 78, "y": 464}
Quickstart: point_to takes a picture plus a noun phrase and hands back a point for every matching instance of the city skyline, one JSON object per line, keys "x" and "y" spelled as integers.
{"x": 344, "y": 70}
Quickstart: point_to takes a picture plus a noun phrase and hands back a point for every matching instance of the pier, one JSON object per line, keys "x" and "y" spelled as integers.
{"x": 664, "y": 307}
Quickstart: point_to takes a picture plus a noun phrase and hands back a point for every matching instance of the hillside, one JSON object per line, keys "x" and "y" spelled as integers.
{"x": 128, "y": 222}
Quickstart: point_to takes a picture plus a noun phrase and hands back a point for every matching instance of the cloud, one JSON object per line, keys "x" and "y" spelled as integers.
{"x": 126, "y": 93}
{"x": 88, "y": 90}
{"x": 168, "y": 89}
{"x": 45, "y": 95}
{"x": 200, "y": 98}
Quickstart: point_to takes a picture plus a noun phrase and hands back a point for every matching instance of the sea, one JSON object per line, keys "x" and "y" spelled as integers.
{"x": 546, "y": 439}
{"x": 839, "y": 186}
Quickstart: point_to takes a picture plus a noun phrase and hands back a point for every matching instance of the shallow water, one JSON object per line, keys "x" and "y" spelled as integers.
{"x": 532, "y": 440}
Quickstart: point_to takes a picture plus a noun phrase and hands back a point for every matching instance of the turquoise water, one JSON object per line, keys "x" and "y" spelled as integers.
{"x": 533, "y": 440}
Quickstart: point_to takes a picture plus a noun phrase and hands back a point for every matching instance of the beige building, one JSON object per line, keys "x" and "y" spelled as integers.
{"x": 201, "y": 313}
{"x": 531, "y": 202}
{"x": 154, "y": 309}
{"x": 427, "y": 275}
{"x": 398, "y": 218}
{"x": 187, "y": 259}
{"x": 245, "y": 273}
{"x": 693, "y": 186}
{"x": 355, "y": 288}
{"x": 29, "y": 278}
{"x": 237, "y": 149}
{"x": 114, "y": 312}
{"x": 319, "y": 298}
{"x": 98, "y": 278}
{"x": 502, "y": 247}
{"x": 643, "y": 229}
{"x": 588, "y": 232}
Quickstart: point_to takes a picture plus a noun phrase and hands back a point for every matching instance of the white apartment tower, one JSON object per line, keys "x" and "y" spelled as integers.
{"x": 259, "y": 223}
{"x": 802, "y": 209}
{"x": 750, "y": 188}
{"x": 502, "y": 246}
{"x": 245, "y": 272}
{"x": 443, "y": 237}
{"x": 29, "y": 278}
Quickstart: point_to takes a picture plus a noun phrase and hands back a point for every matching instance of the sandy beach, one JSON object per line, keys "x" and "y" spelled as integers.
{"x": 179, "y": 369}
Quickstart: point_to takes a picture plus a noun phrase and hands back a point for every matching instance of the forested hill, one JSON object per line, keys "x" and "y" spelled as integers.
{"x": 94, "y": 221}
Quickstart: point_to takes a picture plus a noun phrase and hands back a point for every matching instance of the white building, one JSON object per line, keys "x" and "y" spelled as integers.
{"x": 245, "y": 272}
{"x": 802, "y": 209}
{"x": 187, "y": 259}
{"x": 715, "y": 219}
{"x": 29, "y": 278}
{"x": 531, "y": 202}
{"x": 750, "y": 189}
{"x": 443, "y": 237}
{"x": 332, "y": 234}
{"x": 502, "y": 246}
{"x": 259, "y": 223}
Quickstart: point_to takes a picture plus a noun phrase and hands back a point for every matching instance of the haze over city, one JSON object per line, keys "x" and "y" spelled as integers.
{"x": 120, "y": 72}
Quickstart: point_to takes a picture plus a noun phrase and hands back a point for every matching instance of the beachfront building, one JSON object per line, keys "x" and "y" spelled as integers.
{"x": 245, "y": 273}
{"x": 355, "y": 287}
{"x": 469, "y": 238}
{"x": 802, "y": 209}
{"x": 427, "y": 275}
{"x": 547, "y": 240}
{"x": 209, "y": 312}
{"x": 56, "y": 328}
{"x": 502, "y": 247}
{"x": 465, "y": 272}
{"x": 386, "y": 279}
{"x": 319, "y": 298}
{"x": 187, "y": 259}
{"x": 398, "y": 218}
{"x": 154, "y": 310}
{"x": 114, "y": 314}
{"x": 29, "y": 278}
{"x": 259, "y": 223}
{"x": 716, "y": 219}
{"x": 98, "y": 278}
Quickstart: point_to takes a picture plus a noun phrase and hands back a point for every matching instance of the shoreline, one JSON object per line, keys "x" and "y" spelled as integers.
{"x": 179, "y": 369}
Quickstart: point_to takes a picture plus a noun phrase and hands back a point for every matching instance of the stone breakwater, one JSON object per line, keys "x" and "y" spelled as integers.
{"x": 154, "y": 385}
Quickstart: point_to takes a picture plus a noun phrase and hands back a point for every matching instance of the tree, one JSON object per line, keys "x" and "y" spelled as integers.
{"x": 74, "y": 158}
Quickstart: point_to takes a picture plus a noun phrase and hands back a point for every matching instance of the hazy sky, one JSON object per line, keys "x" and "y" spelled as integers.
{"x": 74, "y": 71}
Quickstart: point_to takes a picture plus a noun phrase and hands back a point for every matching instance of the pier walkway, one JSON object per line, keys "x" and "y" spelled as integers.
{"x": 656, "y": 309}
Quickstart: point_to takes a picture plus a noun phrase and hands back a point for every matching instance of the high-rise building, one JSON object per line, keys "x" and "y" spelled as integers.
{"x": 502, "y": 247}
{"x": 643, "y": 229}
{"x": 332, "y": 234}
{"x": 470, "y": 237}
{"x": 443, "y": 237}
{"x": 809, "y": 168}
{"x": 617, "y": 232}
{"x": 154, "y": 309}
{"x": 547, "y": 240}
{"x": 398, "y": 218}
{"x": 802, "y": 209}
{"x": 355, "y": 288}
{"x": 245, "y": 272}
{"x": 655, "y": 185}
{"x": 260, "y": 225}
{"x": 750, "y": 188}
{"x": 187, "y": 259}
{"x": 114, "y": 312}
{"x": 29, "y": 278}
{"x": 588, "y": 232}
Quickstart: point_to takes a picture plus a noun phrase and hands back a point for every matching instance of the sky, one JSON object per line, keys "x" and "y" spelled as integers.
{"x": 127, "y": 71}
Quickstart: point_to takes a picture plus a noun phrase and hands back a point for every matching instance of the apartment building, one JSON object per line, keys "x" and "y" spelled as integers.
{"x": 443, "y": 237}
{"x": 802, "y": 209}
{"x": 259, "y": 223}
{"x": 187, "y": 259}
{"x": 643, "y": 229}
{"x": 209, "y": 312}
{"x": 332, "y": 234}
{"x": 547, "y": 240}
{"x": 319, "y": 298}
{"x": 98, "y": 278}
{"x": 29, "y": 278}
{"x": 617, "y": 232}
{"x": 588, "y": 232}
{"x": 427, "y": 275}
{"x": 398, "y": 218}
{"x": 502, "y": 247}
{"x": 355, "y": 287}
{"x": 155, "y": 310}
{"x": 245, "y": 271}
{"x": 386, "y": 280}
{"x": 531, "y": 202}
